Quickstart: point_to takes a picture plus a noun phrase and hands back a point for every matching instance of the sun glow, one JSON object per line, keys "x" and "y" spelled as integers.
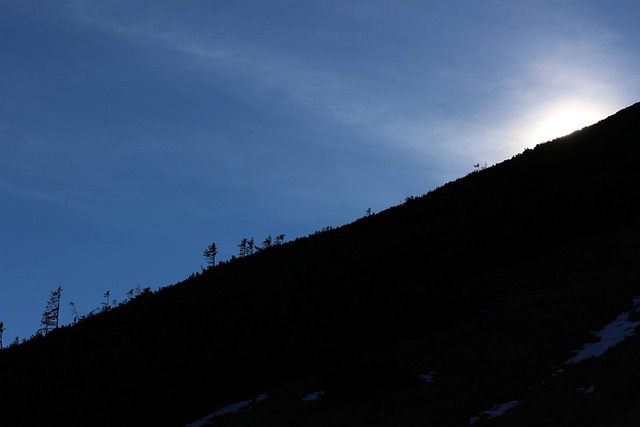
{"x": 561, "y": 121}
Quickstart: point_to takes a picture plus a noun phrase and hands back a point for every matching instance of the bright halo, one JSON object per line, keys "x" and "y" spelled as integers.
{"x": 564, "y": 120}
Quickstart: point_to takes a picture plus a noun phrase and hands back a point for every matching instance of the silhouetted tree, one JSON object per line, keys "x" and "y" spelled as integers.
{"x": 1, "y": 332}
{"x": 75, "y": 313}
{"x": 106, "y": 304}
{"x": 477, "y": 167}
{"x": 268, "y": 242}
{"x": 247, "y": 246}
{"x": 51, "y": 313}
{"x": 133, "y": 293}
{"x": 210, "y": 253}
{"x": 243, "y": 247}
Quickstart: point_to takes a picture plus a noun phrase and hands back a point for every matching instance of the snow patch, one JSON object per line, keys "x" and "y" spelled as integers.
{"x": 496, "y": 411}
{"x": 611, "y": 335}
{"x": 229, "y": 409}
{"x": 315, "y": 395}
{"x": 581, "y": 391}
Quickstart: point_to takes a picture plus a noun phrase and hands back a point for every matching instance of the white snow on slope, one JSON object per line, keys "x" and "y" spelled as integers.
{"x": 229, "y": 409}
{"x": 610, "y": 336}
{"x": 496, "y": 411}
{"x": 583, "y": 391}
{"x": 313, "y": 396}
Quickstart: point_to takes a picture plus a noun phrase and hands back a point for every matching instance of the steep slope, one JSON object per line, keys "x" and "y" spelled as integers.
{"x": 503, "y": 239}
{"x": 514, "y": 349}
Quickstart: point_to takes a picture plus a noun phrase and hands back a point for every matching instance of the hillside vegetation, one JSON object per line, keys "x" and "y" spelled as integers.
{"x": 488, "y": 283}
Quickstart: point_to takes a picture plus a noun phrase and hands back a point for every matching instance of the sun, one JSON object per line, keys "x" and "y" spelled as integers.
{"x": 563, "y": 120}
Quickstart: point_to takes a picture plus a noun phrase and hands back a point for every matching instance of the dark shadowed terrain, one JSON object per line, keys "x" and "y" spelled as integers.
{"x": 428, "y": 313}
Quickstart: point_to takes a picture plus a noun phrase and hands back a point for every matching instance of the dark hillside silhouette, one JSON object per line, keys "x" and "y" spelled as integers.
{"x": 427, "y": 268}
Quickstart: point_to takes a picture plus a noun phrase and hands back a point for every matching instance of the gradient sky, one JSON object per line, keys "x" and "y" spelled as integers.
{"x": 134, "y": 133}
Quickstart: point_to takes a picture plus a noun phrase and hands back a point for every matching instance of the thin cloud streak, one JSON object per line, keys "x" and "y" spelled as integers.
{"x": 303, "y": 83}
{"x": 558, "y": 71}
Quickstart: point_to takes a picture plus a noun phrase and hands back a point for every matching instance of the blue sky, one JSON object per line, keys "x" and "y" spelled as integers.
{"x": 135, "y": 133}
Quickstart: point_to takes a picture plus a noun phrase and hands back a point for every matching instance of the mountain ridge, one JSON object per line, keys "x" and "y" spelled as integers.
{"x": 314, "y": 305}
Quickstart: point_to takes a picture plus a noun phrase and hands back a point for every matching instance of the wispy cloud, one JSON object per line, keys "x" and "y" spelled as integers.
{"x": 301, "y": 84}
{"x": 439, "y": 125}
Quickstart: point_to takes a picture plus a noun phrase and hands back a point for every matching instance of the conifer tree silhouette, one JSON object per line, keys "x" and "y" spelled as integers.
{"x": 210, "y": 253}
{"x": 51, "y": 314}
